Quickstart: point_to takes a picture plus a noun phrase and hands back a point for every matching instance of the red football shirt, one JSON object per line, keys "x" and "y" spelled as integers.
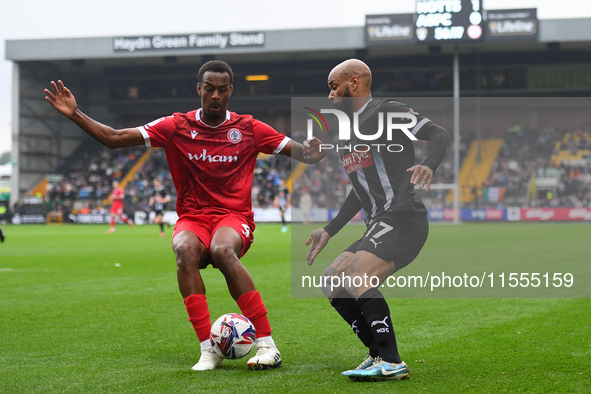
{"x": 212, "y": 167}
{"x": 117, "y": 194}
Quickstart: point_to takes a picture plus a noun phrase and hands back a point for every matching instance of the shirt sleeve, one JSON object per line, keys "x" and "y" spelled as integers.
{"x": 422, "y": 122}
{"x": 268, "y": 140}
{"x": 350, "y": 207}
{"x": 439, "y": 140}
{"x": 158, "y": 132}
{"x": 425, "y": 130}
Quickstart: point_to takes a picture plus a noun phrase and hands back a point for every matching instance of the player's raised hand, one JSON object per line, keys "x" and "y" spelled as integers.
{"x": 422, "y": 174}
{"x": 61, "y": 99}
{"x": 319, "y": 238}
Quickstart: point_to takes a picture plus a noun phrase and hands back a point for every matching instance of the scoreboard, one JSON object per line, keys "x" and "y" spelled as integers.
{"x": 453, "y": 20}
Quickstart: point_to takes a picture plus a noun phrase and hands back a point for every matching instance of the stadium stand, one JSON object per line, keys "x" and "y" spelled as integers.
{"x": 528, "y": 168}
{"x": 542, "y": 163}
{"x": 476, "y": 168}
{"x": 85, "y": 181}
{"x": 544, "y": 168}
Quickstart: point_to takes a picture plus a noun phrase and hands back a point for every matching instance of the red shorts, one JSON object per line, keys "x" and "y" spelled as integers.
{"x": 117, "y": 207}
{"x": 205, "y": 225}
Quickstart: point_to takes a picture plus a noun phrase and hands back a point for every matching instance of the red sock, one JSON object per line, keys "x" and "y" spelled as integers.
{"x": 252, "y": 306}
{"x": 199, "y": 315}
{"x": 113, "y": 221}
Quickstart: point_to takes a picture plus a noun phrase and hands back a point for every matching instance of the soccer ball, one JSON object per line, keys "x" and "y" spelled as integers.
{"x": 232, "y": 336}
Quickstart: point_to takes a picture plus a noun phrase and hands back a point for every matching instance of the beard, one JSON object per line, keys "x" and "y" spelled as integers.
{"x": 214, "y": 115}
{"x": 346, "y": 103}
{"x": 347, "y": 92}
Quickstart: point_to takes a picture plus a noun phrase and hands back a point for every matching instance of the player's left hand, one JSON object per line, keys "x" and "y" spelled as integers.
{"x": 422, "y": 174}
{"x": 312, "y": 150}
{"x": 318, "y": 239}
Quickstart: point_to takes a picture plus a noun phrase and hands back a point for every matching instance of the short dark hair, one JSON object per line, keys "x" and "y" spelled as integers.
{"x": 216, "y": 66}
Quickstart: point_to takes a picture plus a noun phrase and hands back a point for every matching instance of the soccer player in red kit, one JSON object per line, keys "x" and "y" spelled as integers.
{"x": 211, "y": 153}
{"x": 117, "y": 196}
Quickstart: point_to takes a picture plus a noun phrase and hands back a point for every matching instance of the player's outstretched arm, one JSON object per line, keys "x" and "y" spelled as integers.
{"x": 309, "y": 152}
{"x": 62, "y": 99}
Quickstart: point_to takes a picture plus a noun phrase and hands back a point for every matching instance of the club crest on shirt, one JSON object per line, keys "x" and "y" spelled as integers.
{"x": 234, "y": 136}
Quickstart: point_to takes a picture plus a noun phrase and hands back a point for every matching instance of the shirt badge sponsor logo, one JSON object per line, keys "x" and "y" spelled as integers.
{"x": 234, "y": 136}
{"x": 356, "y": 161}
{"x": 194, "y": 133}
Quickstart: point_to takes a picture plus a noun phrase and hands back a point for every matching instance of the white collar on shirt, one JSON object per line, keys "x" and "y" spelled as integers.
{"x": 198, "y": 118}
{"x": 364, "y": 106}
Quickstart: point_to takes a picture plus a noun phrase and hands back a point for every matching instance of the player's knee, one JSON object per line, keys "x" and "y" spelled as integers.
{"x": 223, "y": 256}
{"x": 188, "y": 254}
{"x": 354, "y": 291}
{"x": 331, "y": 282}
{"x": 329, "y": 291}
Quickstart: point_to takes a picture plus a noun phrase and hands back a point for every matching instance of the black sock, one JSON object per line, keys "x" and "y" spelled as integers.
{"x": 161, "y": 227}
{"x": 377, "y": 315}
{"x": 348, "y": 309}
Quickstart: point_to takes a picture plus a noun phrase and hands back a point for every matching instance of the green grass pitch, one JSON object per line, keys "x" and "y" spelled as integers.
{"x": 83, "y": 311}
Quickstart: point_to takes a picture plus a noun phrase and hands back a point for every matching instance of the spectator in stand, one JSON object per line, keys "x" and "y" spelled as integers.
{"x": 306, "y": 205}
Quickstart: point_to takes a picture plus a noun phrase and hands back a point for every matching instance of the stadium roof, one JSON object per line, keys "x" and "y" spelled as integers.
{"x": 277, "y": 43}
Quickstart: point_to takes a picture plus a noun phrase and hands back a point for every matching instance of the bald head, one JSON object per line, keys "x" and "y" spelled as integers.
{"x": 355, "y": 73}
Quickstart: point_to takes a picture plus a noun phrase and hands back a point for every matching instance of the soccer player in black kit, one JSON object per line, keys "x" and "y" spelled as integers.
{"x": 383, "y": 182}
{"x": 283, "y": 199}
{"x": 158, "y": 201}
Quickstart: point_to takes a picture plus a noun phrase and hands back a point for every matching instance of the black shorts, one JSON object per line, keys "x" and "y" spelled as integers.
{"x": 394, "y": 236}
{"x": 159, "y": 212}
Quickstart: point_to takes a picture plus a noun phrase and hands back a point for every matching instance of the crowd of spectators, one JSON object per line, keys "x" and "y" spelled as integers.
{"x": 269, "y": 171}
{"x": 140, "y": 188}
{"x": 84, "y": 187}
{"x": 529, "y": 155}
{"x": 326, "y": 182}
{"x": 87, "y": 183}
{"x": 87, "y": 180}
